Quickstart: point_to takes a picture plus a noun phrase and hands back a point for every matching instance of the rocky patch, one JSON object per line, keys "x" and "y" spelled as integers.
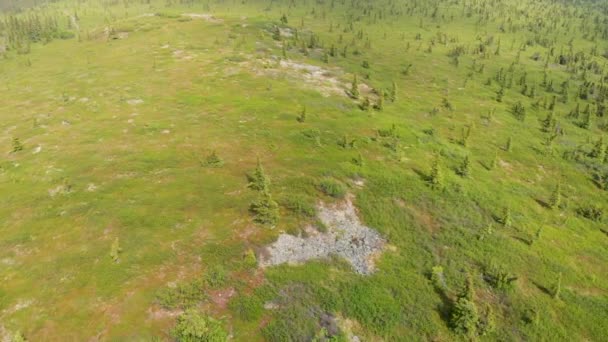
{"x": 346, "y": 237}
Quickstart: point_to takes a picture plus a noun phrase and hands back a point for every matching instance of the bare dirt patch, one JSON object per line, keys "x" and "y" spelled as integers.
{"x": 346, "y": 237}
{"x": 323, "y": 80}
{"x": 221, "y": 297}
{"x": 156, "y": 312}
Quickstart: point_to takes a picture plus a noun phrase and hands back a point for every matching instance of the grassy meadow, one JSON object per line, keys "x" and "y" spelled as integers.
{"x": 114, "y": 218}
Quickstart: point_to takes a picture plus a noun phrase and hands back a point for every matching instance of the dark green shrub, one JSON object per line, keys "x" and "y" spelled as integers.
{"x": 66, "y": 35}
{"x": 212, "y": 160}
{"x": 373, "y": 306}
{"x": 499, "y": 278}
{"x": 300, "y": 205}
{"x": 592, "y": 212}
{"x": 182, "y": 296}
{"x": 17, "y": 145}
{"x": 216, "y": 276}
{"x": 265, "y": 209}
{"x": 464, "y": 317}
{"x": 332, "y": 188}
{"x": 194, "y": 327}
{"x": 247, "y": 308}
{"x": 258, "y": 179}
{"x": 293, "y": 323}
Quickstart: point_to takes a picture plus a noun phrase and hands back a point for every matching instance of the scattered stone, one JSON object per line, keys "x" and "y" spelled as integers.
{"x": 286, "y": 32}
{"x": 37, "y": 149}
{"x": 208, "y": 17}
{"x": 271, "y": 306}
{"x": 182, "y": 55}
{"x": 345, "y": 237}
{"x": 60, "y": 189}
{"x": 8, "y": 261}
{"x": 326, "y": 81}
{"x": 134, "y": 102}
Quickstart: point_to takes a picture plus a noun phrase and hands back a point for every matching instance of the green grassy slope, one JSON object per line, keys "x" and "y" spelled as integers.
{"x": 114, "y": 131}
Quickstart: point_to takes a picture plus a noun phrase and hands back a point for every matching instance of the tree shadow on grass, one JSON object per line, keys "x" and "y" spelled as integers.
{"x": 485, "y": 165}
{"x": 522, "y": 240}
{"x": 542, "y": 203}
{"x": 422, "y": 175}
{"x": 542, "y": 288}
{"x": 445, "y": 308}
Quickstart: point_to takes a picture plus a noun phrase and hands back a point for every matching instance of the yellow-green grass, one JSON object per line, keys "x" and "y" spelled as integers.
{"x": 143, "y": 158}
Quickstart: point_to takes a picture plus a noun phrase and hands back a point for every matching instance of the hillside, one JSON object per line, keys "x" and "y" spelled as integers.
{"x": 323, "y": 170}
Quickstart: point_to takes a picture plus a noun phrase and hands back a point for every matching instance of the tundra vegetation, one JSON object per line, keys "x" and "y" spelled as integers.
{"x": 151, "y": 150}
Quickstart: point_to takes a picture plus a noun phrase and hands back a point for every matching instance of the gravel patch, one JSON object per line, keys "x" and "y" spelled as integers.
{"x": 346, "y": 237}
{"x": 203, "y": 16}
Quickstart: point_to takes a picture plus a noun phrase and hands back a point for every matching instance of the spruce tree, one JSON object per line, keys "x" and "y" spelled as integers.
{"x": 258, "y": 180}
{"x": 276, "y": 33}
{"x": 500, "y": 94}
{"x": 599, "y": 150}
{"x": 393, "y": 92}
{"x": 358, "y": 160}
{"x": 115, "y": 250}
{"x": 586, "y": 123}
{"x": 436, "y": 177}
{"x": 552, "y": 104}
{"x": 465, "y": 167}
{"x": 465, "y": 318}
{"x": 574, "y": 113}
{"x": 505, "y": 218}
{"x": 549, "y": 122}
{"x": 519, "y": 111}
{"x": 558, "y": 286}
{"x": 466, "y": 134}
{"x": 366, "y": 104}
{"x": 493, "y": 161}
{"x": 380, "y": 104}
{"x": 212, "y": 160}
{"x": 488, "y": 324}
{"x": 564, "y": 96}
{"x": 354, "y": 89}
{"x": 532, "y": 93}
{"x": 17, "y": 145}
{"x": 556, "y": 196}
{"x": 302, "y": 116}
{"x": 265, "y": 209}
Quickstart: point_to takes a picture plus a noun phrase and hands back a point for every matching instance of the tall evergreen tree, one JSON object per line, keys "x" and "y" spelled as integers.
{"x": 354, "y": 89}
{"x": 258, "y": 180}
{"x": 265, "y": 209}
{"x": 465, "y": 318}
{"x": 599, "y": 150}
{"x": 549, "y": 122}
{"x": 556, "y": 196}
{"x": 393, "y": 92}
{"x": 436, "y": 177}
{"x": 558, "y": 286}
{"x": 465, "y": 167}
